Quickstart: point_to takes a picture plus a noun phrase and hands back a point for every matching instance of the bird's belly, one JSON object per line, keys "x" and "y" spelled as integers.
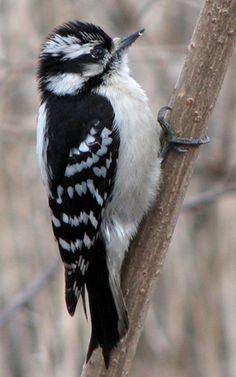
{"x": 138, "y": 165}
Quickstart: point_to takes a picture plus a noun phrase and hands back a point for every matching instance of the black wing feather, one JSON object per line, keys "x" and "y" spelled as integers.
{"x": 83, "y": 193}
{"x": 81, "y": 181}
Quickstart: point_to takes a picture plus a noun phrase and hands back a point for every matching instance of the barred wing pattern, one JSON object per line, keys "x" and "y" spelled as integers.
{"x": 78, "y": 206}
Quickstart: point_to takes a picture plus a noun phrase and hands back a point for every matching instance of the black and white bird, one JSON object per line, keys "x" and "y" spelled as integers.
{"x": 98, "y": 147}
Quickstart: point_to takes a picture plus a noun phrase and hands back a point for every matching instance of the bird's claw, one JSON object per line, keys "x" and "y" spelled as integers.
{"x": 172, "y": 141}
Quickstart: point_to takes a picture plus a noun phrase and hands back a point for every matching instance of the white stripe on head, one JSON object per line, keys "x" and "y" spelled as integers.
{"x": 74, "y": 50}
{"x": 67, "y": 48}
{"x": 57, "y": 44}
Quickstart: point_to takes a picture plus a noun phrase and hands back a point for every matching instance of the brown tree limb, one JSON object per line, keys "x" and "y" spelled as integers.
{"x": 193, "y": 100}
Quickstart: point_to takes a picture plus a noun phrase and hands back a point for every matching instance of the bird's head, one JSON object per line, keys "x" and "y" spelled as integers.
{"x": 78, "y": 56}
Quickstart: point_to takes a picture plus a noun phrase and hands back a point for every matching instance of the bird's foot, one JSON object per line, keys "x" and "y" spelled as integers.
{"x": 173, "y": 142}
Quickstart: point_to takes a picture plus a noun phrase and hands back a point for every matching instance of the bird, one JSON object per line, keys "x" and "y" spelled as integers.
{"x": 98, "y": 147}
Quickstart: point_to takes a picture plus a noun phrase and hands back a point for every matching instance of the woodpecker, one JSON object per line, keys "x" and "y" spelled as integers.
{"x": 98, "y": 147}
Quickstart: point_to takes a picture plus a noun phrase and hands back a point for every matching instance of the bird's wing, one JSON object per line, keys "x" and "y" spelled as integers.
{"x": 81, "y": 196}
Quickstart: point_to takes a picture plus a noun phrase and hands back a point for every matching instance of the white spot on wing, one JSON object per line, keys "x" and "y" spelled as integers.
{"x": 78, "y": 167}
{"x": 65, "y": 218}
{"x": 108, "y": 163}
{"x": 77, "y": 292}
{"x": 90, "y": 139}
{"x": 103, "y": 171}
{"x": 82, "y": 264}
{"x": 72, "y": 246}
{"x": 65, "y": 245}
{"x": 80, "y": 260}
{"x": 81, "y": 188}
{"x": 87, "y": 241}
{"x": 102, "y": 151}
{"x": 60, "y": 191}
{"x": 94, "y": 192}
{"x": 97, "y": 171}
{"x": 93, "y": 219}
{"x": 84, "y": 269}
{"x": 83, "y": 147}
{"x": 56, "y": 222}
{"x": 89, "y": 162}
{"x": 75, "y": 220}
{"x": 84, "y": 187}
{"x": 93, "y": 131}
{"x": 107, "y": 141}
{"x": 78, "y": 189}
{"x": 100, "y": 172}
{"x": 74, "y": 151}
{"x": 95, "y": 158}
{"x": 76, "y": 245}
{"x": 105, "y": 132}
{"x": 70, "y": 192}
{"x": 73, "y": 169}
{"x": 91, "y": 186}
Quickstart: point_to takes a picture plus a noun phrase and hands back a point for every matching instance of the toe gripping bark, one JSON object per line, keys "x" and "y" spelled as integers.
{"x": 173, "y": 142}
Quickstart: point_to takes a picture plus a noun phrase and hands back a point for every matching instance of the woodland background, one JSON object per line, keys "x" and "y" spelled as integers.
{"x": 191, "y": 326}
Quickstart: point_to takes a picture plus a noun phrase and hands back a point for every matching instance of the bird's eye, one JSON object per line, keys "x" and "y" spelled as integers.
{"x": 98, "y": 52}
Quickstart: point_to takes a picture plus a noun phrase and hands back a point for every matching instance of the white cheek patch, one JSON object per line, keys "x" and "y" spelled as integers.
{"x": 65, "y": 83}
{"x": 92, "y": 69}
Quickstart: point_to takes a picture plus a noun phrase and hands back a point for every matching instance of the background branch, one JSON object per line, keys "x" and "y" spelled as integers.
{"x": 27, "y": 294}
{"x": 193, "y": 100}
{"x": 209, "y": 196}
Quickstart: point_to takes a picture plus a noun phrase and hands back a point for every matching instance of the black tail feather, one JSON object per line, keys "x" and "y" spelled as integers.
{"x": 71, "y": 299}
{"x": 74, "y": 287}
{"x": 107, "y": 309}
{"x": 84, "y": 302}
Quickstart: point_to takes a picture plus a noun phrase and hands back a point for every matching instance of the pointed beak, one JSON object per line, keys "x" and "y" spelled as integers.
{"x": 127, "y": 41}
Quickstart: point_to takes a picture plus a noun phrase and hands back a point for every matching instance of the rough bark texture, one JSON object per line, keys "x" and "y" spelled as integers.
{"x": 193, "y": 100}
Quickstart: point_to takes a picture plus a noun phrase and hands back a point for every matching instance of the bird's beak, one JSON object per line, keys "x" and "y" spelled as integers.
{"x": 127, "y": 41}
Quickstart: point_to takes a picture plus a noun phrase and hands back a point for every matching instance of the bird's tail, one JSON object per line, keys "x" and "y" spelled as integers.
{"x": 109, "y": 317}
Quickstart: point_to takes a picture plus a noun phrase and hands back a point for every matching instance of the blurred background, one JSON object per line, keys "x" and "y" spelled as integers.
{"x": 191, "y": 326}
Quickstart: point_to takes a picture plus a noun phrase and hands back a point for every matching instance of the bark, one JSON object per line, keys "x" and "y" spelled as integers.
{"x": 192, "y": 102}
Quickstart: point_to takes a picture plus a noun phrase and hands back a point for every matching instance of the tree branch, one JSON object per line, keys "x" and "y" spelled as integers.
{"x": 193, "y": 100}
{"x": 29, "y": 292}
{"x": 209, "y": 196}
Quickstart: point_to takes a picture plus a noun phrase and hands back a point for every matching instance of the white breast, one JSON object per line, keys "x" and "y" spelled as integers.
{"x": 138, "y": 166}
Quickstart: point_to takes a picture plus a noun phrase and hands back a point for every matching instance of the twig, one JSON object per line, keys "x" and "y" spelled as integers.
{"x": 194, "y": 98}
{"x": 29, "y": 292}
{"x": 209, "y": 196}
